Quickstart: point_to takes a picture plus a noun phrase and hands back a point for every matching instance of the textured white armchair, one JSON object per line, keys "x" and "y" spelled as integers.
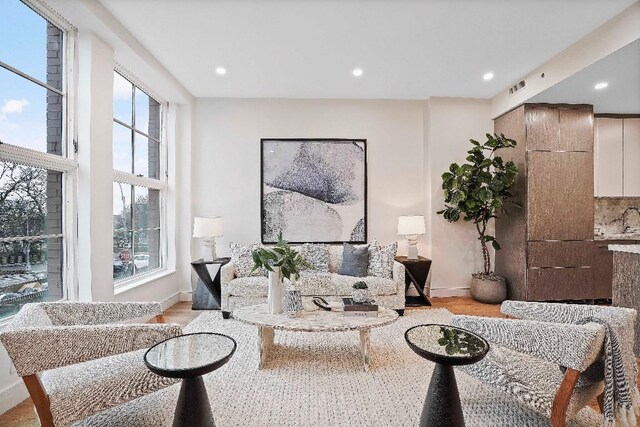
{"x": 527, "y": 354}
{"x": 76, "y": 360}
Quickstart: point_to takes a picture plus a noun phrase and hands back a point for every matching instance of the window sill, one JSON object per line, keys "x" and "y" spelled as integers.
{"x": 126, "y": 285}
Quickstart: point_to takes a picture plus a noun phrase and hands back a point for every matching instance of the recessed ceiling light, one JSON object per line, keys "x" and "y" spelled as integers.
{"x": 487, "y": 76}
{"x": 601, "y": 85}
{"x": 357, "y": 72}
{"x": 221, "y": 71}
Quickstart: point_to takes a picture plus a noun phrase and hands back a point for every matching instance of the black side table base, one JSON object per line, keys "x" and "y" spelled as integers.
{"x": 193, "y": 408}
{"x": 442, "y": 405}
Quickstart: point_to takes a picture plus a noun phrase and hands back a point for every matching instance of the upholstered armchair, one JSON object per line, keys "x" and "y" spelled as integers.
{"x": 546, "y": 361}
{"x": 77, "y": 359}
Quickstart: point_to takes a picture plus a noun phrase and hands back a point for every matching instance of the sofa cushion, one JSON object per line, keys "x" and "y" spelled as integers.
{"x": 316, "y": 254}
{"x": 80, "y": 390}
{"x": 248, "y": 287}
{"x": 381, "y": 259}
{"x": 355, "y": 260}
{"x": 377, "y": 285}
{"x": 241, "y": 257}
{"x": 528, "y": 379}
{"x": 310, "y": 284}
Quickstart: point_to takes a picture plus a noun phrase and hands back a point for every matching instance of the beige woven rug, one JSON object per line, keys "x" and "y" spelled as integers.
{"x": 316, "y": 379}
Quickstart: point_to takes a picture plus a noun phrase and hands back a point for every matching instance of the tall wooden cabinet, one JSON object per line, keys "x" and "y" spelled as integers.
{"x": 547, "y": 245}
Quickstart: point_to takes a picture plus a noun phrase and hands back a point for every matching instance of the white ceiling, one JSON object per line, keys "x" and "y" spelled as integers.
{"x": 621, "y": 70}
{"x": 308, "y": 48}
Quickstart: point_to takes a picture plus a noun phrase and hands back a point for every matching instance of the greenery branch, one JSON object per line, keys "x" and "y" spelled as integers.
{"x": 282, "y": 255}
{"x": 479, "y": 190}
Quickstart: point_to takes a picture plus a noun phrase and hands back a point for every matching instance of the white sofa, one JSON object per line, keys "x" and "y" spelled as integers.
{"x": 243, "y": 291}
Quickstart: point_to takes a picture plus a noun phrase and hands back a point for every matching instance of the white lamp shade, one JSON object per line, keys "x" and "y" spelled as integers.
{"x": 210, "y": 226}
{"x": 410, "y": 225}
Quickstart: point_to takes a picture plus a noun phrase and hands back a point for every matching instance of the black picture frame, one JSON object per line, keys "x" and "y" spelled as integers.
{"x": 362, "y": 141}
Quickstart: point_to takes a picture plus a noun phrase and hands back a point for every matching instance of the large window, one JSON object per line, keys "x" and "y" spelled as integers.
{"x": 139, "y": 181}
{"x": 34, "y": 163}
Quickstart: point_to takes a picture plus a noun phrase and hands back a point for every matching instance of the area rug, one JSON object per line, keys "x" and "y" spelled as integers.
{"x": 316, "y": 379}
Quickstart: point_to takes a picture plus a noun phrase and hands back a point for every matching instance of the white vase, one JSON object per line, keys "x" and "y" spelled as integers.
{"x": 276, "y": 289}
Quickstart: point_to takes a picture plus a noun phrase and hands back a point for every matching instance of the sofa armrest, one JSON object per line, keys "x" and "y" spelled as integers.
{"x": 398, "y": 276}
{"x": 227, "y": 273}
{"x": 571, "y": 346}
{"x": 34, "y": 350}
{"x": 68, "y": 313}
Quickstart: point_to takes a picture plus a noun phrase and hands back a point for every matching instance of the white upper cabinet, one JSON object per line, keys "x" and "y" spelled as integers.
{"x": 631, "y": 138}
{"x": 608, "y": 157}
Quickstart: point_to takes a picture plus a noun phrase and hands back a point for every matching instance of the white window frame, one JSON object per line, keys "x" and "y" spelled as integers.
{"x": 67, "y": 163}
{"x": 161, "y": 185}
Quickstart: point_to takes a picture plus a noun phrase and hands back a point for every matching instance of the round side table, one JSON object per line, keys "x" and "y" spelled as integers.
{"x": 447, "y": 346}
{"x": 189, "y": 357}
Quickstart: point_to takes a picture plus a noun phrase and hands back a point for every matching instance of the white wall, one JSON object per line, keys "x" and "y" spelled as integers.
{"x": 453, "y": 247}
{"x": 410, "y": 144}
{"x": 226, "y": 157}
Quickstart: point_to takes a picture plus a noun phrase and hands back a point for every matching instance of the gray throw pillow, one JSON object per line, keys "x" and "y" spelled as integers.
{"x": 355, "y": 260}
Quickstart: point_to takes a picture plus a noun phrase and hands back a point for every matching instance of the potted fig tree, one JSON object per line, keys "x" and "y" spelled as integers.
{"x": 478, "y": 191}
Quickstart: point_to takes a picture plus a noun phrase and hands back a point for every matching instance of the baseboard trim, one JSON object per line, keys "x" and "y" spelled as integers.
{"x": 170, "y": 300}
{"x": 450, "y": 292}
{"x": 186, "y": 295}
{"x": 12, "y": 395}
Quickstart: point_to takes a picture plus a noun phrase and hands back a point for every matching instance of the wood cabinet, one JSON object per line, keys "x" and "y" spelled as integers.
{"x": 547, "y": 245}
{"x": 631, "y": 177}
{"x": 617, "y": 156}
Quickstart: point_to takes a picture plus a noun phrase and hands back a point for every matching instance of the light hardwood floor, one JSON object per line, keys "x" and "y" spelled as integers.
{"x": 24, "y": 415}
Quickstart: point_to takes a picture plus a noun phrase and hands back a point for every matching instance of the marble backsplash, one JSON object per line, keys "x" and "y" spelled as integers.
{"x": 609, "y": 212}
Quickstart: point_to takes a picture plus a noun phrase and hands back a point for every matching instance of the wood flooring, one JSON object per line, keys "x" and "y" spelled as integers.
{"x": 23, "y": 415}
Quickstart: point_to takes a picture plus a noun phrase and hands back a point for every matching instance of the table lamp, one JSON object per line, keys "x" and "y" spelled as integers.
{"x": 411, "y": 226}
{"x": 207, "y": 229}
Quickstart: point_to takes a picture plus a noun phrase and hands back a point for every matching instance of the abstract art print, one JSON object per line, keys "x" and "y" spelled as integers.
{"x": 314, "y": 190}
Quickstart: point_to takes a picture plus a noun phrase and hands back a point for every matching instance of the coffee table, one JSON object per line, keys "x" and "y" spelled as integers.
{"x": 310, "y": 321}
{"x": 189, "y": 357}
{"x": 447, "y": 346}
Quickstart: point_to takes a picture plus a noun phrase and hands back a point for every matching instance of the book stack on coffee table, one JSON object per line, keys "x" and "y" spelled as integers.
{"x": 357, "y": 309}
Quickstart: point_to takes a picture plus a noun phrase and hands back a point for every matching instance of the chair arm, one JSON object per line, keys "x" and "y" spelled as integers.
{"x": 571, "y": 346}
{"x": 398, "y": 276}
{"x": 65, "y": 313}
{"x": 227, "y": 273}
{"x": 567, "y": 313}
{"x": 34, "y": 350}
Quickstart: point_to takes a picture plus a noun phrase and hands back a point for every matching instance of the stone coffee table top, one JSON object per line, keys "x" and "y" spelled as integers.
{"x": 312, "y": 321}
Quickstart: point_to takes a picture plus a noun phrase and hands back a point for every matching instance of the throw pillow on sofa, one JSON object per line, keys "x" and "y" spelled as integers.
{"x": 381, "y": 259}
{"x": 241, "y": 257}
{"x": 355, "y": 260}
{"x": 317, "y": 255}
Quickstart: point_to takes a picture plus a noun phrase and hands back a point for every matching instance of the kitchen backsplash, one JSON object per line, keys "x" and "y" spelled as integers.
{"x": 609, "y": 212}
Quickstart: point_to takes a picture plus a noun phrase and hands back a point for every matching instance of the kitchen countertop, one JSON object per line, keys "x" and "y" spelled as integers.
{"x": 631, "y": 249}
{"x": 621, "y": 236}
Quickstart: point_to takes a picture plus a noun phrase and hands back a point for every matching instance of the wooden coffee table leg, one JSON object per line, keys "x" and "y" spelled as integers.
{"x": 265, "y": 342}
{"x": 364, "y": 348}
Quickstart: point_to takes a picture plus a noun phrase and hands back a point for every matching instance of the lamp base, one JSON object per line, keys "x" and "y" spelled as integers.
{"x": 208, "y": 249}
{"x": 412, "y": 247}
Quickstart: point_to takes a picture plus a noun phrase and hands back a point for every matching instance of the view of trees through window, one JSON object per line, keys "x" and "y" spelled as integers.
{"x": 31, "y": 120}
{"x": 136, "y": 208}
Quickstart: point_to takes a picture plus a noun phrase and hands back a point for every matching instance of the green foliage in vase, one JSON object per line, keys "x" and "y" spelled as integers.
{"x": 360, "y": 285}
{"x": 479, "y": 190}
{"x": 281, "y": 255}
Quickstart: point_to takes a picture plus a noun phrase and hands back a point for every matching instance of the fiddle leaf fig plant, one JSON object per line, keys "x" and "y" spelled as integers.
{"x": 479, "y": 190}
{"x": 281, "y": 255}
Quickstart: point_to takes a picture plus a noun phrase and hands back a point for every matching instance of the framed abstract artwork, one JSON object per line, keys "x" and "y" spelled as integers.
{"x": 314, "y": 190}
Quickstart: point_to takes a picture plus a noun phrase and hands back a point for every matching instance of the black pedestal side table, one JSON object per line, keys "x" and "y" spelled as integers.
{"x": 416, "y": 273}
{"x": 189, "y": 357}
{"x": 206, "y": 295}
{"x": 447, "y": 346}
